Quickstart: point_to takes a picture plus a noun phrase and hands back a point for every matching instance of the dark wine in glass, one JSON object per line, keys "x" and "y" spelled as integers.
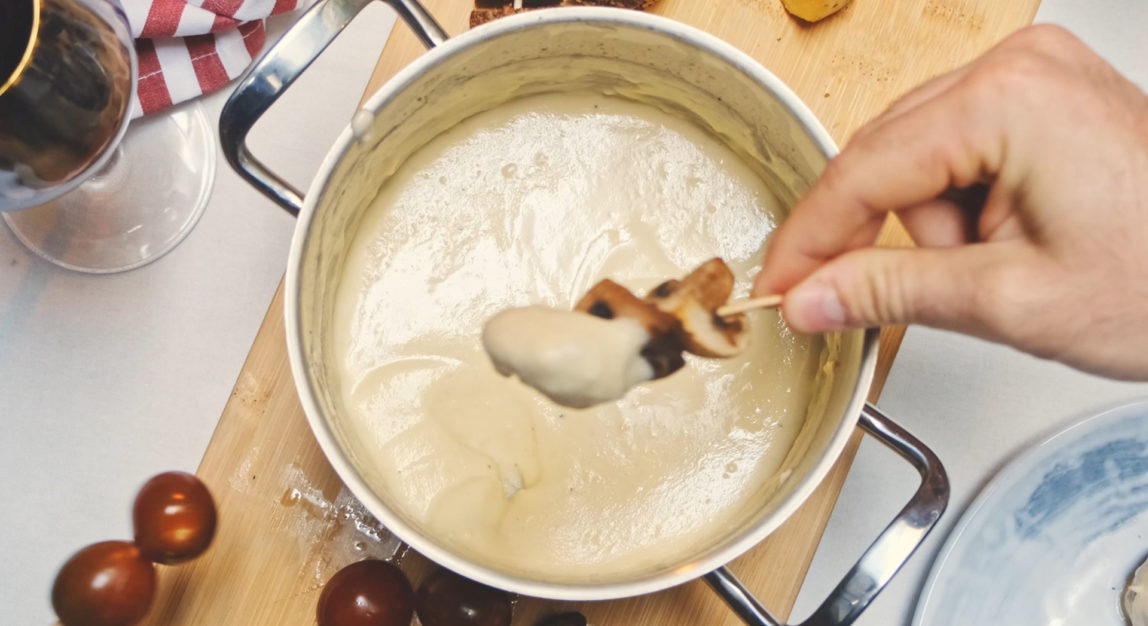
{"x": 76, "y": 186}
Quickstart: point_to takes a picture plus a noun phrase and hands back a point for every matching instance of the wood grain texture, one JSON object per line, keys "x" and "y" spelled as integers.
{"x": 285, "y": 521}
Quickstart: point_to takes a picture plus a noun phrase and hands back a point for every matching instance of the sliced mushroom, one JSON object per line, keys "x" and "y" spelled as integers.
{"x": 694, "y": 301}
{"x": 613, "y": 339}
{"x": 609, "y": 300}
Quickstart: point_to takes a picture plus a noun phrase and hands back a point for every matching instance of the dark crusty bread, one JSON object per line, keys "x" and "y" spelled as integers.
{"x": 490, "y": 10}
{"x": 482, "y": 16}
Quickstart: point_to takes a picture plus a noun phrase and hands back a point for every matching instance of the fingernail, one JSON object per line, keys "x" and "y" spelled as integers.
{"x": 815, "y": 308}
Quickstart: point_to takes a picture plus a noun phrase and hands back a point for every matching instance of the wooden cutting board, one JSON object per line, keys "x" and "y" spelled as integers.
{"x": 287, "y": 523}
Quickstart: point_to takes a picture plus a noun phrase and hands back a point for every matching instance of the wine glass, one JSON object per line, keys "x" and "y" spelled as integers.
{"x": 77, "y": 187}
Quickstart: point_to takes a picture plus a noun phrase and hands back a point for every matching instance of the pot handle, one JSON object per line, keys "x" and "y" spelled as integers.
{"x": 279, "y": 66}
{"x": 883, "y": 558}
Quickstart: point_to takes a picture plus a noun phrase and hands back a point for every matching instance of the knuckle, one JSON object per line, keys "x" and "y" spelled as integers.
{"x": 881, "y": 296}
{"x": 1047, "y": 38}
{"x": 1022, "y": 60}
{"x": 1000, "y": 88}
{"x": 835, "y": 175}
{"x": 834, "y": 170}
{"x": 893, "y": 301}
{"x": 1006, "y": 76}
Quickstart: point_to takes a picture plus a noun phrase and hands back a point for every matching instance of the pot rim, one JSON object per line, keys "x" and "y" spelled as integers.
{"x": 320, "y": 426}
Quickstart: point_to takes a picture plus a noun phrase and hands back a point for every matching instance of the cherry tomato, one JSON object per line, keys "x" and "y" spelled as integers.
{"x": 573, "y": 618}
{"x": 174, "y": 518}
{"x": 367, "y": 593}
{"x": 447, "y": 599}
{"x": 106, "y": 584}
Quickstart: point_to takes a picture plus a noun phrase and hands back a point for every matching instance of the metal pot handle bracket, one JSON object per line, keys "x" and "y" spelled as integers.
{"x": 280, "y": 65}
{"x": 884, "y": 557}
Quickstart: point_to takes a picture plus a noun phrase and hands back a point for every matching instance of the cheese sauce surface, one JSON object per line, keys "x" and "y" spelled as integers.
{"x": 532, "y": 203}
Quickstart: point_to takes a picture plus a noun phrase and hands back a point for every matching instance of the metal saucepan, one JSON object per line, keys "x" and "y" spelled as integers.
{"x": 627, "y": 53}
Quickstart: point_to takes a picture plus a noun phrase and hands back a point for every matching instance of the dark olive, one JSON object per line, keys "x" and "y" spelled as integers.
{"x": 573, "y": 618}
{"x": 367, "y": 593}
{"x": 447, "y": 599}
{"x": 106, "y": 584}
{"x": 174, "y": 518}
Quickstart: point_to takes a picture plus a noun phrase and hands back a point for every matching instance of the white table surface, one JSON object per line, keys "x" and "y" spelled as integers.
{"x": 106, "y": 381}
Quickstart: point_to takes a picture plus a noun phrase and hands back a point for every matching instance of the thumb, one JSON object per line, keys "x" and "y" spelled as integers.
{"x": 879, "y": 286}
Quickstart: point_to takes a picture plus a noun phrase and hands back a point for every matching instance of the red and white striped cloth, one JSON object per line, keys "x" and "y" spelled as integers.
{"x": 188, "y": 48}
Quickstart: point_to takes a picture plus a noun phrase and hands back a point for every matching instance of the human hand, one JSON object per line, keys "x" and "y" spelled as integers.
{"x": 1023, "y": 177}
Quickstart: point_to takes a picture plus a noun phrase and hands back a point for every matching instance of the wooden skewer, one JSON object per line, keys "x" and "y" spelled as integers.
{"x": 750, "y": 304}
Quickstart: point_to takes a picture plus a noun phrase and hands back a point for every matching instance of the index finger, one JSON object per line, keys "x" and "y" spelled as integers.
{"x": 905, "y": 162}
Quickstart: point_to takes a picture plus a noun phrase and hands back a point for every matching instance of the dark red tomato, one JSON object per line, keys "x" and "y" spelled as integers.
{"x": 573, "y": 618}
{"x": 174, "y": 518}
{"x": 367, "y": 593}
{"x": 447, "y": 599}
{"x": 105, "y": 584}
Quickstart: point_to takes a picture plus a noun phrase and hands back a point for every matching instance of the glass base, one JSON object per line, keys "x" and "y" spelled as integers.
{"x": 144, "y": 202}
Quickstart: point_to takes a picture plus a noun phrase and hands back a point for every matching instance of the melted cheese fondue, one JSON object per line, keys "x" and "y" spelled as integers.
{"x": 576, "y": 359}
{"x": 531, "y": 203}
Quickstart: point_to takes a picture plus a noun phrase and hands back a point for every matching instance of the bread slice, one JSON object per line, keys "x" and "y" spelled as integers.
{"x": 490, "y": 10}
{"x": 813, "y": 10}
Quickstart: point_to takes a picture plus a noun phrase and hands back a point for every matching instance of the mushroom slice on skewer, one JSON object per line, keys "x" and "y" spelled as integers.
{"x": 694, "y": 301}
{"x": 609, "y": 300}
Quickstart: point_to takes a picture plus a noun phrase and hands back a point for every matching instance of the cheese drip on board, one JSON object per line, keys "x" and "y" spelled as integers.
{"x": 531, "y": 204}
